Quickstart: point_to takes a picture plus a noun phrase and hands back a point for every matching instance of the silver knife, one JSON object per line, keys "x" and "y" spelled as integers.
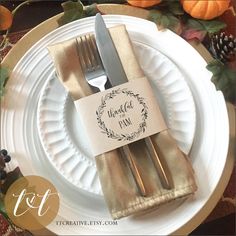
{"x": 117, "y": 72}
{"x": 117, "y": 76}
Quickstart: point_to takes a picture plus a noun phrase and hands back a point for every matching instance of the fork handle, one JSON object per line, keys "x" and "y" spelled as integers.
{"x": 160, "y": 165}
{"x": 134, "y": 169}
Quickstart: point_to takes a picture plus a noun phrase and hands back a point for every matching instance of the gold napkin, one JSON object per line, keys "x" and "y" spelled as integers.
{"x": 119, "y": 188}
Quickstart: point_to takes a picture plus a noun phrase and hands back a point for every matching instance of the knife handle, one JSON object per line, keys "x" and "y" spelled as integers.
{"x": 160, "y": 165}
{"x": 134, "y": 169}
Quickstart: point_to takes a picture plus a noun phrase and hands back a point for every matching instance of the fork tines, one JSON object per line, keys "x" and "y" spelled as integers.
{"x": 88, "y": 52}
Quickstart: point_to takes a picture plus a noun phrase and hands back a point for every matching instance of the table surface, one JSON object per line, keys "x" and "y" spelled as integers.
{"x": 30, "y": 16}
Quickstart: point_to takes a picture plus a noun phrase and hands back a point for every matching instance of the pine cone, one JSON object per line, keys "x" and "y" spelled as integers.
{"x": 223, "y": 47}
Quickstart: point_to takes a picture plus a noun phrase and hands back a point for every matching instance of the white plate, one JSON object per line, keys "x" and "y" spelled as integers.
{"x": 208, "y": 154}
{"x": 62, "y": 133}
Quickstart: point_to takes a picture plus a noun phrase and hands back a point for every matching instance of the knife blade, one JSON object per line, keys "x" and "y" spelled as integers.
{"x": 117, "y": 76}
{"x": 108, "y": 53}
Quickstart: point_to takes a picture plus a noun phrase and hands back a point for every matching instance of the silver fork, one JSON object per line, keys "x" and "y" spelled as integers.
{"x": 95, "y": 75}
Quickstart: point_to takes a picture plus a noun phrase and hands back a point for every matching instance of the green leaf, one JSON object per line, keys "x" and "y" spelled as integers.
{"x": 72, "y": 11}
{"x": 222, "y": 83}
{"x": 173, "y": 21}
{"x": 194, "y": 24}
{"x": 213, "y": 26}
{"x": 215, "y": 67}
{"x": 2, "y": 207}
{"x": 91, "y": 10}
{"x": 224, "y": 79}
{"x": 175, "y": 8}
{"x": 164, "y": 20}
{"x": 3, "y": 79}
{"x": 210, "y": 26}
{"x": 154, "y": 16}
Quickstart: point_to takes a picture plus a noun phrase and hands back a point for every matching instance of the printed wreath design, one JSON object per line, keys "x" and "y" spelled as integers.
{"x": 110, "y": 133}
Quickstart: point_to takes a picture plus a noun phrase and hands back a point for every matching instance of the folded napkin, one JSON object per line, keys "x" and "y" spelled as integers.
{"x": 119, "y": 188}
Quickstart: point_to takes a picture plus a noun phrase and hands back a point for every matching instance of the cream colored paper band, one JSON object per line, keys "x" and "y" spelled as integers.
{"x": 120, "y": 115}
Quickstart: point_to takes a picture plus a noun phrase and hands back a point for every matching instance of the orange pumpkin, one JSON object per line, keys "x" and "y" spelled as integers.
{"x": 143, "y": 3}
{"x": 5, "y": 18}
{"x": 205, "y": 9}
